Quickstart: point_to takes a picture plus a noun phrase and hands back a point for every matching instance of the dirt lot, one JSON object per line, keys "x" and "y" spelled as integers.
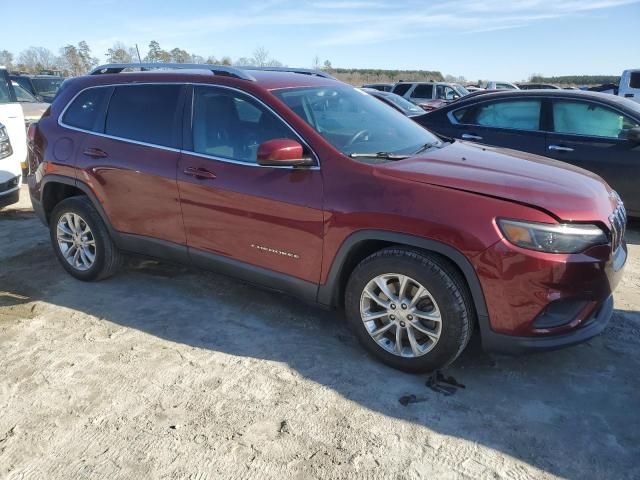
{"x": 167, "y": 372}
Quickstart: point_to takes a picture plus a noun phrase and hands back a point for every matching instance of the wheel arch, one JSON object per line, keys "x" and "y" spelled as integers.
{"x": 56, "y": 188}
{"x": 363, "y": 243}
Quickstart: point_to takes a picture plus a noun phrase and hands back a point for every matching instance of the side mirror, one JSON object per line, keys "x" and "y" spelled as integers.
{"x": 282, "y": 152}
{"x": 634, "y": 135}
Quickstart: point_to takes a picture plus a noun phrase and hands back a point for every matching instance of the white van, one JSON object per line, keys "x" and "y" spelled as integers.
{"x": 630, "y": 85}
{"x": 13, "y": 143}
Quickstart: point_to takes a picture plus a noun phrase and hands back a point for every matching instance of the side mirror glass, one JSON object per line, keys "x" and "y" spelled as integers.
{"x": 633, "y": 135}
{"x": 282, "y": 152}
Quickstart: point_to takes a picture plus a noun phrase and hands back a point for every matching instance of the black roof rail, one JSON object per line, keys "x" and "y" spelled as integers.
{"x": 223, "y": 70}
{"x": 302, "y": 71}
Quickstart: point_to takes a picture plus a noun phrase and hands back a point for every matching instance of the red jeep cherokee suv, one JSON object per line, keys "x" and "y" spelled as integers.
{"x": 303, "y": 184}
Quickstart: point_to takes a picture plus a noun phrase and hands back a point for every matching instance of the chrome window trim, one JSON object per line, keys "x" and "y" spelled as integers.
{"x": 454, "y": 121}
{"x": 181, "y": 150}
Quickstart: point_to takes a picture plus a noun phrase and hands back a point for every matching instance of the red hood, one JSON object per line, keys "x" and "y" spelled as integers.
{"x": 568, "y": 192}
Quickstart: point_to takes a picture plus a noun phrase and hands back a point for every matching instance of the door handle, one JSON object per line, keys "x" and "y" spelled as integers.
{"x": 468, "y": 136}
{"x": 628, "y": 95}
{"x": 199, "y": 173}
{"x": 558, "y": 148}
{"x": 95, "y": 153}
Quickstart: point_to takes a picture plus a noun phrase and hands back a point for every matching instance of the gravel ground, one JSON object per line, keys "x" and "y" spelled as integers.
{"x": 168, "y": 372}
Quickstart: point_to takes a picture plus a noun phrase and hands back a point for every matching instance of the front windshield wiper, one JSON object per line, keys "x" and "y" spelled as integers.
{"x": 384, "y": 155}
{"x": 425, "y": 147}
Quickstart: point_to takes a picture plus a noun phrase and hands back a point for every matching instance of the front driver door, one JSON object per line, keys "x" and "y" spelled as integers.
{"x": 593, "y": 136}
{"x": 236, "y": 212}
{"x": 511, "y": 123}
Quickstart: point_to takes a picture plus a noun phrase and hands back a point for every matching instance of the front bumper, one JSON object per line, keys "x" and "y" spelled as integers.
{"x": 540, "y": 301}
{"x": 10, "y": 192}
{"x": 510, "y": 345}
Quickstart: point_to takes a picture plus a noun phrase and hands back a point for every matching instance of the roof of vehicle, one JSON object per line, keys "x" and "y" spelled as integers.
{"x": 429, "y": 82}
{"x": 583, "y": 94}
{"x": 269, "y": 80}
{"x": 380, "y": 93}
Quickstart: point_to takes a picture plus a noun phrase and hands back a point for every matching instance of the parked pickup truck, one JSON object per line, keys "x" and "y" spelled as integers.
{"x": 630, "y": 85}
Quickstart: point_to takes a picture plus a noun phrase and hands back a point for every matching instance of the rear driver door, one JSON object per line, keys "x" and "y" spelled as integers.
{"x": 593, "y": 136}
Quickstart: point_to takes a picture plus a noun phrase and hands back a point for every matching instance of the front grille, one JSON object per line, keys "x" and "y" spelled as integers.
{"x": 618, "y": 221}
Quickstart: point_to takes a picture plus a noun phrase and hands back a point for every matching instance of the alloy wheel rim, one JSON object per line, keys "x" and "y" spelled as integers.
{"x": 76, "y": 241}
{"x": 401, "y": 315}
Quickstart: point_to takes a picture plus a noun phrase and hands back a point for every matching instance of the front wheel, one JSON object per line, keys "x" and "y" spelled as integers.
{"x": 410, "y": 309}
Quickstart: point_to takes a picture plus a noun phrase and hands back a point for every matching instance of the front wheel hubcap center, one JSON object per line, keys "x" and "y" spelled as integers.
{"x": 400, "y": 315}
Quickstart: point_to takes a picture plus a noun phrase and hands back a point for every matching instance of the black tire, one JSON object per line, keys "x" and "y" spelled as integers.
{"x": 448, "y": 289}
{"x": 107, "y": 257}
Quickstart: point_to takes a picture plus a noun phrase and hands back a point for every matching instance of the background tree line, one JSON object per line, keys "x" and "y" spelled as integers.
{"x": 73, "y": 60}
{"x": 575, "y": 79}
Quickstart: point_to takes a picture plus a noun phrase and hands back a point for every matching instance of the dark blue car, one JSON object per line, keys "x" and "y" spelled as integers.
{"x": 595, "y": 131}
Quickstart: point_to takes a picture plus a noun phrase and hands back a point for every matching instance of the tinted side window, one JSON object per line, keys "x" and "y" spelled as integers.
{"x": 444, "y": 92}
{"x": 460, "y": 114}
{"x": 228, "y": 124}
{"x": 586, "y": 118}
{"x": 634, "y": 80}
{"x": 401, "y": 88}
{"x": 86, "y": 110}
{"x": 518, "y": 114}
{"x": 422, "y": 91}
{"x": 145, "y": 113}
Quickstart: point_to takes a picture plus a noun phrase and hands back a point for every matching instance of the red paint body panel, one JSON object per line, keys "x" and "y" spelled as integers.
{"x": 295, "y": 221}
{"x": 246, "y": 209}
{"x": 518, "y": 176}
{"x": 137, "y": 187}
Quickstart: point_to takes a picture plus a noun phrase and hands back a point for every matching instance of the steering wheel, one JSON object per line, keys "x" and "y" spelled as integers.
{"x": 356, "y": 137}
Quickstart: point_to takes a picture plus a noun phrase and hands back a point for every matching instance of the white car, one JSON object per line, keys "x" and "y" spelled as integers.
{"x": 630, "y": 85}
{"x": 13, "y": 143}
{"x": 497, "y": 85}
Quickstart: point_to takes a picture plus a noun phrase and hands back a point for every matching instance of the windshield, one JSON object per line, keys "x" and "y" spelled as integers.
{"x": 47, "y": 87}
{"x": 22, "y": 95}
{"x": 403, "y": 104}
{"x": 355, "y": 122}
{"x": 4, "y": 88}
{"x": 460, "y": 89}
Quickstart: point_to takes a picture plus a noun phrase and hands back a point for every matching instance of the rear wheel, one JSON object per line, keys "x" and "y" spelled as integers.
{"x": 81, "y": 240}
{"x": 409, "y": 309}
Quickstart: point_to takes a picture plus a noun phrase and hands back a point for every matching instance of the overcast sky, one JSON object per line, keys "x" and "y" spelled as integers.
{"x": 480, "y": 39}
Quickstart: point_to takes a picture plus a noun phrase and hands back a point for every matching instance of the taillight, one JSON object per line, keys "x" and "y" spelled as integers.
{"x": 31, "y": 132}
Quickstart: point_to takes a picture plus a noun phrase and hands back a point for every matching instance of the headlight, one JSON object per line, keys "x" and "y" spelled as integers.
{"x": 552, "y": 238}
{"x": 5, "y": 144}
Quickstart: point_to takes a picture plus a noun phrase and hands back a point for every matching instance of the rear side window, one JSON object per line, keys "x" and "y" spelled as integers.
{"x": 423, "y": 91}
{"x": 85, "y": 112}
{"x": 586, "y": 118}
{"x": 517, "y": 114}
{"x": 145, "y": 113}
{"x": 401, "y": 88}
{"x": 634, "y": 80}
